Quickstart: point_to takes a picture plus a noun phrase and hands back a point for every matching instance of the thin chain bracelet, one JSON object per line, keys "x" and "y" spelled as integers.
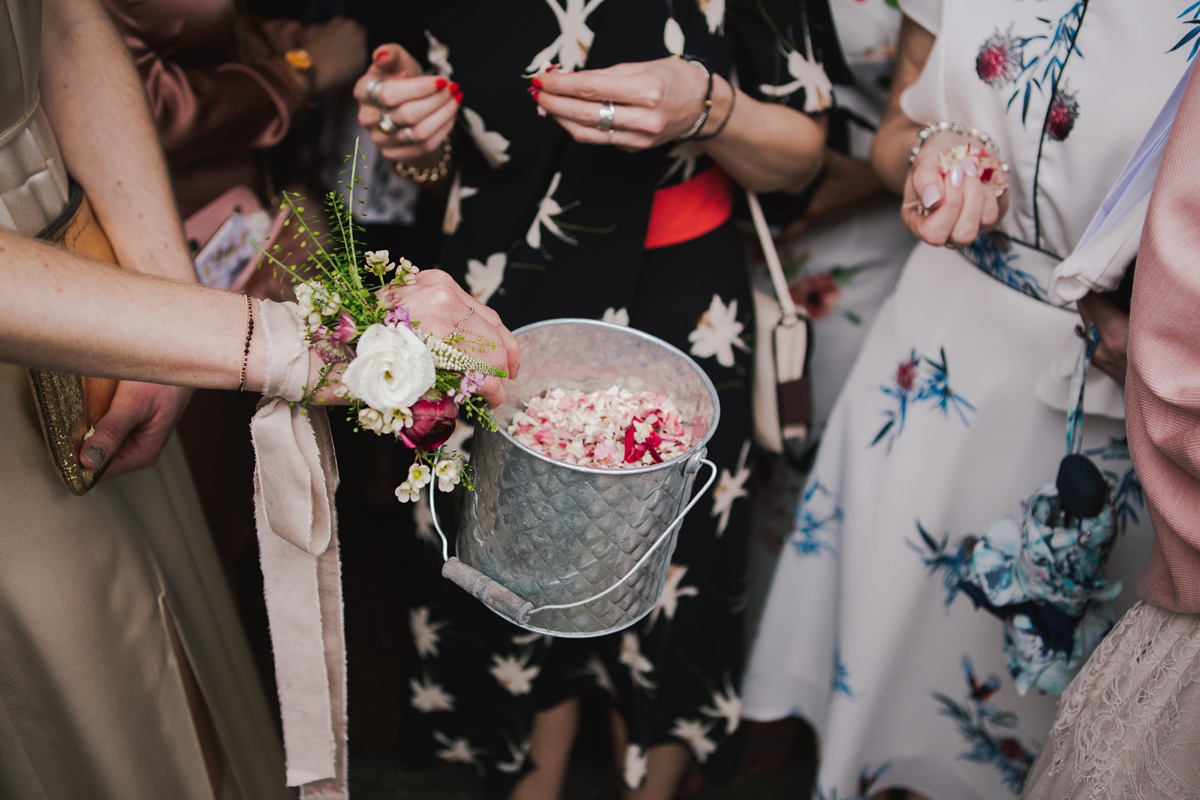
{"x": 249, "y": 336}
{"x": 432, "y": 174}
{"x": 962, "y": 130}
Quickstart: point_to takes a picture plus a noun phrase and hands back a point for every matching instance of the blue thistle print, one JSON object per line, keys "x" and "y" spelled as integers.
{"x": 867, "y": 778}
{"x": 993, "y": 253}
{"x": 1128, "y": 495}
{"x": 1193, "y": 32}
{"x": 818, "y": 512}
{"x": 978, "y": 721}
{"x": 841, "y": 676}
{"x": 919, "y": 379}
{"x": 1060, "y": 44}
{"x": 938, "y": 558}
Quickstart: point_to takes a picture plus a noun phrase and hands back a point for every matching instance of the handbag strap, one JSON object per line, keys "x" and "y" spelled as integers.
{"x": 1078, "y": 382}
{"x": 791, "y": 314}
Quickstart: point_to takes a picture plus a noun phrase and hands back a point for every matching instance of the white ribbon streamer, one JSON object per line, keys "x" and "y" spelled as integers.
{"x": 295, "y": 477}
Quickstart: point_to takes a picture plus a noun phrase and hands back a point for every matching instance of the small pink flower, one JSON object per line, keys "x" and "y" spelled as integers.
{"x": 1000, "y": 60}
{"x": 818, "y": 293}
{"x": 1060, "y": 119}
{"x": 433, "y": 423}
{"x": 906, "y": 375}
{"x": 344, "y": 330}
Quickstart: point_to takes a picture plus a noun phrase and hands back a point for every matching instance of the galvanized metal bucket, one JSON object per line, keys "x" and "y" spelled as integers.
{"x": 568, "y": 550}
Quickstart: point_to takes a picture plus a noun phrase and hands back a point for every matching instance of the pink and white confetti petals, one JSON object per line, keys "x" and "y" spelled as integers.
{"x": 611, "y": 429}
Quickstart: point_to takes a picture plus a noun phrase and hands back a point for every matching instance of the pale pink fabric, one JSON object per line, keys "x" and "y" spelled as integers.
{"x": 295, "y": 477}
{"x": 216, "y": 87}
{"x": 1162, "y": 393}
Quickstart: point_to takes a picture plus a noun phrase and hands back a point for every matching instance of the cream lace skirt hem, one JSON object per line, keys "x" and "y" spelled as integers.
{"x": 1128, "y": 727}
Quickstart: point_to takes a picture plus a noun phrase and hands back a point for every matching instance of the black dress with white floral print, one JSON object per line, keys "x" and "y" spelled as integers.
{"x": 539, "y": 226}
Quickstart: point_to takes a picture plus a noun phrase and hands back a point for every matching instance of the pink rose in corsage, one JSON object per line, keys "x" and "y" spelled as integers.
{"x": 401, "y": 381}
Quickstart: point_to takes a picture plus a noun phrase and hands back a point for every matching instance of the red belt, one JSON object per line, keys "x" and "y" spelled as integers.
{"x": 690, "y": 210}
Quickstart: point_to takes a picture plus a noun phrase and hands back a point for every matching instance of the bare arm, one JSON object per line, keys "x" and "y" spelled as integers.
{"x": 96, "y": 105}
{"x": 894, "y": 141}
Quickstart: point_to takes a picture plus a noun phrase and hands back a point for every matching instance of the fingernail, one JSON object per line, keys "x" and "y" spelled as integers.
{"x": 930, "y": 196}
{"x": 956, "y": 176}
{"x": 970, "y": 168}
{"x": 537, "y": 83}
{"x": 381, "y": 56}
{"x": 534, "y": 93}
{"x": 454, "y": 87}
{"x": 458, "y": 98}
{"x": 441, "y": 84}
{"x": 95, "y": 455}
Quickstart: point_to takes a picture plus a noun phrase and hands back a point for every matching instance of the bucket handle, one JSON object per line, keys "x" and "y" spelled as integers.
{"x": 480, "y": 586}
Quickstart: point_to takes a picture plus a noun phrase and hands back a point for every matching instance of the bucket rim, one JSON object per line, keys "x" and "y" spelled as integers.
{"x": 698, "y": 446}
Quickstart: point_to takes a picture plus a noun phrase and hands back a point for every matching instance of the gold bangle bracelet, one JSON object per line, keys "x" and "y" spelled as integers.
{"x": 432, "y": 174}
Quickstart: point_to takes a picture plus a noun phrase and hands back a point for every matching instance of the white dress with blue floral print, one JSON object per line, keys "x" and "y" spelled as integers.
{"x": 938, "y": 431}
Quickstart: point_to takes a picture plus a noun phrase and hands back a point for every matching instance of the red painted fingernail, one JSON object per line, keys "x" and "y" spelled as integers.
{"x": 381, "y": 56}
{"x": 535, "y": 93}
{"x": 454, "y": 88}
{"x": 537, "y": 83}
{"x": 458, "y": 98}
{"x": 441, "y": 84}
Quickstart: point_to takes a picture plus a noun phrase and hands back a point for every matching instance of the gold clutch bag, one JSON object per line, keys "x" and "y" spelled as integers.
{"x": 69, "y": 405}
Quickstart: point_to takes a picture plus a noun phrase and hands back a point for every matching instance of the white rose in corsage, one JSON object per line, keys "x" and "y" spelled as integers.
{"x": 391, "y": 370}
{"x": 399, "y": 380}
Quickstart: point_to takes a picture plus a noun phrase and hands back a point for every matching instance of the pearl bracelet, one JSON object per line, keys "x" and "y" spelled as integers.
{"x": 962, "y": 130}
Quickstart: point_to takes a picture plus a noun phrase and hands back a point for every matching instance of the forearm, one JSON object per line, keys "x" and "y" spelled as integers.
{"x": 897, "y": 133}
{"x": 892, "y": 149}
{"x": 96, "y": 105}
{"x": 765, "y": 147}
{"x": 71, "y": 314}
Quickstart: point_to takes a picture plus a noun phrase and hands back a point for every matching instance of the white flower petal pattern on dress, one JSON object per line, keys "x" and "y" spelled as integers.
{"x": 616, "y": 316}
{"x": 484, "y": 279}
{"x": 424, "y": 632}
{"x": 714, "y": 14}
{"x": 631, "y": 656}
{"x": 730, "y": 487}
{"x": 429, "y": 697}
{"x": 547, "y": 209}
{"x": 519, "y": 754}
{"x": 633, "y": 770}
{"x": 575, "y": 37}
{"x": 695, "y": 734}
{"x": 726, "y": 706}
{"x": 595, "y": 667}
{"x": 458, "y": 193}
{"x": 458, "y": 750}
{"x": 511, "y": 673}
{"x": 491, "y": 144}
{"x": 809, "y": 76}
{"x": 439, "y": 56}
{"x": 673, "y": 37}
{"x": 668, "y": 601}
{"x": 683, "y": 156}
{"x": 718, "y": 332}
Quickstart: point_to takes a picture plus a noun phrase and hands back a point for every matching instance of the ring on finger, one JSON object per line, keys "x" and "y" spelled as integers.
{"x": 607, "y": 115}
{"x": 373, "y": 92}
{"x": 386, "y": 124}
{"x": 409, "y": 136}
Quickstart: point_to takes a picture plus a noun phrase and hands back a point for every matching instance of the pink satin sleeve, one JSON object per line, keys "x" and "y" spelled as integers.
{"x": 1162, "y": 394}
{"x": 234, "y": 108}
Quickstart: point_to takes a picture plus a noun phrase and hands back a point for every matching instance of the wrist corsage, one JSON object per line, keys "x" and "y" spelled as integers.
{"x": 400, "y": 380}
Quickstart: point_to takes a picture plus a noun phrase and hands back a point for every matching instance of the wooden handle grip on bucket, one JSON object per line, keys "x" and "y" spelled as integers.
{"x": 493, "y": 595}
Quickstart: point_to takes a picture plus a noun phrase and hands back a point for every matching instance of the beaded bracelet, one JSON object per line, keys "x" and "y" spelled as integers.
{"x": 432, "y": 174}
{"x": 724, "y": 122}
{"x": 962, "y": 130}
{"x": 249, "y": 336}
{"x": 708, "y": 101}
